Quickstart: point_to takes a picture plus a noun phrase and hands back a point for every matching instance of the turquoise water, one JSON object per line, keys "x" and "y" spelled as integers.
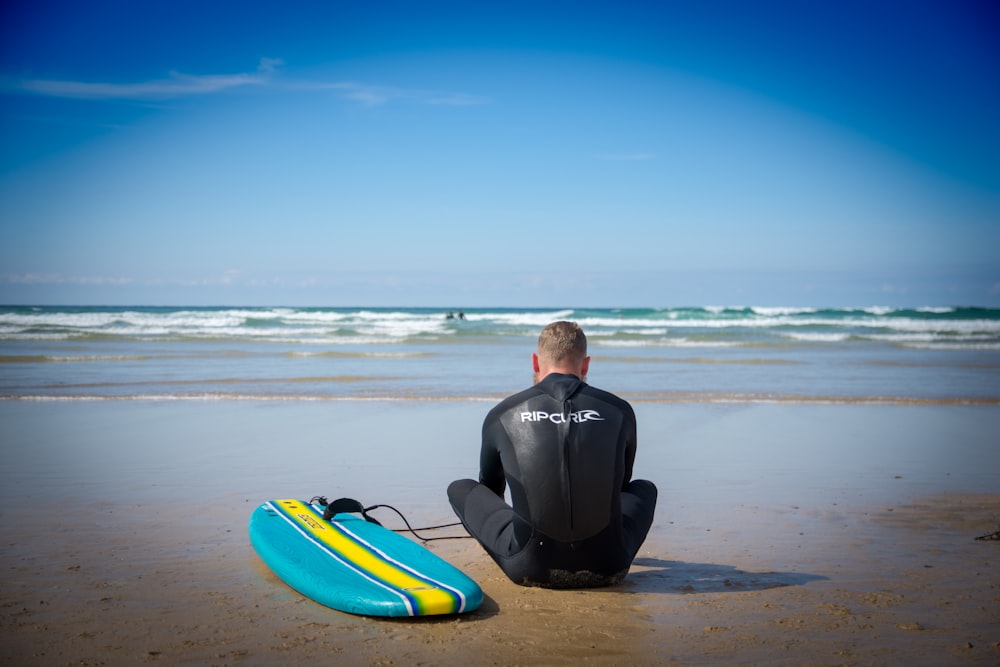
{"x": 675, "y": 354}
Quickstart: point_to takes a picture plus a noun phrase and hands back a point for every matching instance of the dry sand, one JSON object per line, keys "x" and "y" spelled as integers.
{"x": 740, "y": 575}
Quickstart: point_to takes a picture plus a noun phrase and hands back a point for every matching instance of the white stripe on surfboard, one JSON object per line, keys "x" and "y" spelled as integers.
{"x": 327, "y": 550}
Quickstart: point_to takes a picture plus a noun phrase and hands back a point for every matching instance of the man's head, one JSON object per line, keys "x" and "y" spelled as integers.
{"x": 562, "y": 348}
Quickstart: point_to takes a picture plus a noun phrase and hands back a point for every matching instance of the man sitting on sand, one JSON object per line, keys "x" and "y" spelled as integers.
{"x": 566, "y": 450}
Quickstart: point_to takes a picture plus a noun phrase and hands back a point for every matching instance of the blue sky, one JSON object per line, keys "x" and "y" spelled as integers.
{"x": 500, "y": 154}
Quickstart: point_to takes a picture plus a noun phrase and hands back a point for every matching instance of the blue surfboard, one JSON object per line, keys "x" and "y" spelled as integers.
{"x": 357, "y": 566}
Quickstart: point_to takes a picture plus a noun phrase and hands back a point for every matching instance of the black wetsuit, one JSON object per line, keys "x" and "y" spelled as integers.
{"x": 566, "y": 450}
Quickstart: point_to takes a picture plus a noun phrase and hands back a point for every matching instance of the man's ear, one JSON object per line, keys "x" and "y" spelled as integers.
{"x": 534, "y": 363}
{"x": 585, "y": 367}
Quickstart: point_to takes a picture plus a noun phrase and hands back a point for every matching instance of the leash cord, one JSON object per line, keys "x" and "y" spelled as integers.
{"x": 414, "y": 530}
{"x": 321, "y": 500}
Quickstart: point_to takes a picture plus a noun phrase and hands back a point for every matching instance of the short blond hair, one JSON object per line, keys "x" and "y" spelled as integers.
{"x": 562, "y": 342}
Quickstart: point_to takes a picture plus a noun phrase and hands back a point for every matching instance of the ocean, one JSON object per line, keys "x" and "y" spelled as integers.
{"x": 701, "y": 354}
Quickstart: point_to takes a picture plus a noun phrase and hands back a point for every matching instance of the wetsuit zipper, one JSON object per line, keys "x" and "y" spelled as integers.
{"x": 565, "y": 427}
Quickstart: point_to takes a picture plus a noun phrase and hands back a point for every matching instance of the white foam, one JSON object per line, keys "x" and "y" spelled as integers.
{"x": 941, "y": 345}
{"x": 365, "y": 326}
{"x": 532, "y": 319}
{"x": 778, "y": 311}
{"x": 816, "y": 337}
{"x": 665, "y": 342}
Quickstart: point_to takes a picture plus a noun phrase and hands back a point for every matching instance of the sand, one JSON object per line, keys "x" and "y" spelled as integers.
{"x": 124, "y": 538}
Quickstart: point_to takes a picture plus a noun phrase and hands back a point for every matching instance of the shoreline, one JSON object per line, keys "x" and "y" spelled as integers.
{"x": 678, "y": 399}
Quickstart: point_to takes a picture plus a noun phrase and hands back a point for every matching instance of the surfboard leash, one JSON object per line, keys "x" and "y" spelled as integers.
{"x": 352, "y": 506}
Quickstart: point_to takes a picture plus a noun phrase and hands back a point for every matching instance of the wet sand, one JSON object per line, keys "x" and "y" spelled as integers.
{"x": 788, "y": 534}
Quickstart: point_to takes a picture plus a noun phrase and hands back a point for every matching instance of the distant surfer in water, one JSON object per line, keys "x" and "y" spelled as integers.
{"x": 566, "y": 451}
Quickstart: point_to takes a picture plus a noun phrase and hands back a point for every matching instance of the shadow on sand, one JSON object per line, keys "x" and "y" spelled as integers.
{"x": 654, "y": 575}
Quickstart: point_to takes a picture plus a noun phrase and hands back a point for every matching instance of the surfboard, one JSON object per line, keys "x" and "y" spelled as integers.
{"x": 357, "y": 566}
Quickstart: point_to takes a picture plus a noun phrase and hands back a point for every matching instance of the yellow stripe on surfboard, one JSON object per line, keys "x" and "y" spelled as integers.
{"x": 429, "y": 598}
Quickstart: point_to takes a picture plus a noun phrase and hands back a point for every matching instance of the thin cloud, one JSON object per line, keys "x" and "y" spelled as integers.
{"x": 59, "y": 279}
{"x": 372, "y": 95}
{"x": 627, "y": 157}
{"x": 177, "y": 85}
{"x": 186, "y": 85}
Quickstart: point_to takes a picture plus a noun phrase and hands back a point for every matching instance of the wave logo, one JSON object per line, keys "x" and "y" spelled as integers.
{"x": 561, "y": 418}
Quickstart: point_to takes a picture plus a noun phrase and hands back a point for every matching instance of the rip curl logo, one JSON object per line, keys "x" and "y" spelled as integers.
{"x": 560, "y": 418}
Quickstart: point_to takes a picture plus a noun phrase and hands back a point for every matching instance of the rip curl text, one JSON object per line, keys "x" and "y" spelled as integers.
{"x": 560, "y": 418}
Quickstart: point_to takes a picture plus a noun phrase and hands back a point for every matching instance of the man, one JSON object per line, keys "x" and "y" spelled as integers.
{"x": 566, "y": 451}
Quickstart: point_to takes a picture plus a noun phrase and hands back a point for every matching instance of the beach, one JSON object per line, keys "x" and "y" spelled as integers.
{"x": 785, "y": 533}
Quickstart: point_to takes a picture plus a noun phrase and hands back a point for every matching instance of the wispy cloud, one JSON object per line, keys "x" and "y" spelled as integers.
{"x": 177, "y": 85}
{"x": 627, "y": 157}
{"x": 372, "y": 95}
{"x": 59, "y": 279}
